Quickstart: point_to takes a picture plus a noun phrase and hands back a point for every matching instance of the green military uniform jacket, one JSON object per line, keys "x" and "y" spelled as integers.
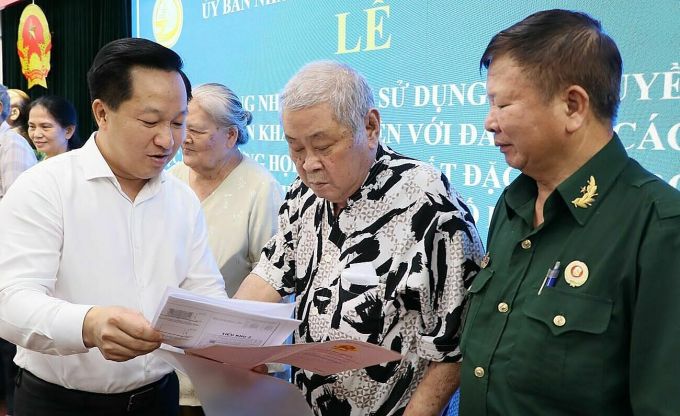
{"x": 609, "y": 346}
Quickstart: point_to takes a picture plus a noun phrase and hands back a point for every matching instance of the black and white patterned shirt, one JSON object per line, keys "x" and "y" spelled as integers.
{"x": 422, "y": 243}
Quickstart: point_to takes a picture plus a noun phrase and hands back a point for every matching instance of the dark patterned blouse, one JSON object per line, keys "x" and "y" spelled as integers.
{"x": 404, "y": 223}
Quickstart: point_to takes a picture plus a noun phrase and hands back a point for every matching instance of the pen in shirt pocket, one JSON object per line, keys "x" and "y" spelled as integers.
{"x": 551, "y": 277}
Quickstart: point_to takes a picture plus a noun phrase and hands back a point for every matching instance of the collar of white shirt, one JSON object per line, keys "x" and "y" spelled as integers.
{"x": 95, "y": 166}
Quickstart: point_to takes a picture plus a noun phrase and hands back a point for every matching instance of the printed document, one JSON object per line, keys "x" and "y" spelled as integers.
{"x": 187, "y": 320}
{"x": 245, "y": 334}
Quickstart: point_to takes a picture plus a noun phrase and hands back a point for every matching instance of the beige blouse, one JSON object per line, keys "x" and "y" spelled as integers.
{"x": 241, "y": 215}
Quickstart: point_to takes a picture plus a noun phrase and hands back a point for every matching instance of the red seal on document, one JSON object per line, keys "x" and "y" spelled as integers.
{"x": 345, "y": 348}
{"x": 576, "y": 273}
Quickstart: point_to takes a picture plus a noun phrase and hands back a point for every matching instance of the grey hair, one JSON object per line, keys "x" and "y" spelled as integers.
{"x": 343, "y": 88}
{"x": 4, "y": 99}
{"x": 224, "y": 107}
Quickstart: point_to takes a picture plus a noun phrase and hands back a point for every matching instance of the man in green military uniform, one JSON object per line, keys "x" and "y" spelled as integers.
{"x": 575, "y": 311}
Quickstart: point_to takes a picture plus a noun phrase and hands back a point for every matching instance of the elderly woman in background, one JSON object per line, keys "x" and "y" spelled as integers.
{"x": 240, "y": 198}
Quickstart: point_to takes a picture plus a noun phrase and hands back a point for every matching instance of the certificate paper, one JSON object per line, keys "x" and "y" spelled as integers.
{"x": 323, "y": 358}
{"x": 245, "y": 334}
{"x": 190, "y": 321}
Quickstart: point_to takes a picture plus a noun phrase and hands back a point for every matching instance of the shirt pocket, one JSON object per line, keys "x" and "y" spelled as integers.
{"x": 362, "y": 311}
{"x": 473, "y": 300}
{"x": 560, "y": 345}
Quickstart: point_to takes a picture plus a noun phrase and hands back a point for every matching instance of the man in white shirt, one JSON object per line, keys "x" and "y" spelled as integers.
{"x": 90, "y": 241}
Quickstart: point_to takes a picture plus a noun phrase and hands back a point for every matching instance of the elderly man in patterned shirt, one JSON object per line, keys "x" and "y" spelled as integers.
{"x": 374, "y": 245}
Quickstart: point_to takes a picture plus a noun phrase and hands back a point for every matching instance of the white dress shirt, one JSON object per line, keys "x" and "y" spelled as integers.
{"x": 70, "y": 239}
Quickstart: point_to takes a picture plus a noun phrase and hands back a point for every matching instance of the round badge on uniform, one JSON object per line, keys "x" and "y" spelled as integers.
{"x": 576, "y": 273}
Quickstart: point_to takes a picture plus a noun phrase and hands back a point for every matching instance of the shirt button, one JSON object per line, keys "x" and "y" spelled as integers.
{"x": 559, "y": 320}
{"x": 503, "y": 307}
{"x": 479, "y": 372}
{"x": 327, "y": 258}
{"x": 526, "y": 244}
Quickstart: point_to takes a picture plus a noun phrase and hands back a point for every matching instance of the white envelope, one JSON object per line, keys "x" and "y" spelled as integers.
{"x": 229, "y": 390}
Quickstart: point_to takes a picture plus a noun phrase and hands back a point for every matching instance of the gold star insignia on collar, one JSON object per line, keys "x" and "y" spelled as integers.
{"x": 589, "y": 193}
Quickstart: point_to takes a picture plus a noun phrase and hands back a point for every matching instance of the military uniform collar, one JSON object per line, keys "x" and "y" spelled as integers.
{"x": 604, "y": 168}
{"x": 520, "y": 196}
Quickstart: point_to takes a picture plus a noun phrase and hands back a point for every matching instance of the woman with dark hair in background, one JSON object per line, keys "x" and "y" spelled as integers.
{"x": 52, "y": 122}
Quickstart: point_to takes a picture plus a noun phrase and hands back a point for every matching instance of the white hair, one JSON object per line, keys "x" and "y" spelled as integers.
{"x": 224, "y": 107}
{"x": 337, "y": 84}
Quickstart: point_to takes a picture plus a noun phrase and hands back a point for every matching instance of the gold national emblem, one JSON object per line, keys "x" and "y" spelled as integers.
{"x": 589, "y": 193}
{"x": 34, "y": 45}
{"x": 576, "y": 273}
